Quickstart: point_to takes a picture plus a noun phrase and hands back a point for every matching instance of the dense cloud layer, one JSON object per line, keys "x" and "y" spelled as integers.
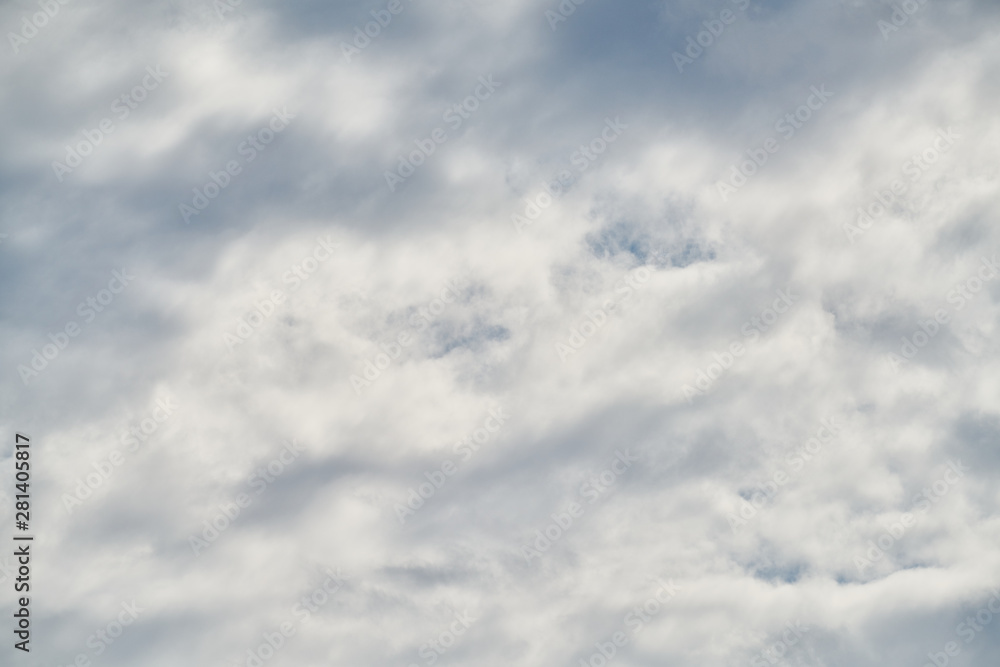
{"x": 510, "y": 328}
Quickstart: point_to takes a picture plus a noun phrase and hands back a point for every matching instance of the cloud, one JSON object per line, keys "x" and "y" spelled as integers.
{"x": 563, "y": 254}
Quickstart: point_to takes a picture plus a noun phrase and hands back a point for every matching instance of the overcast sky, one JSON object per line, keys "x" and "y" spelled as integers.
{"x": 512, "y": 332}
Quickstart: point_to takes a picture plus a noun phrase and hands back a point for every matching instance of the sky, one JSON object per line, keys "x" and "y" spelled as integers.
{"x": 479, "y": 332}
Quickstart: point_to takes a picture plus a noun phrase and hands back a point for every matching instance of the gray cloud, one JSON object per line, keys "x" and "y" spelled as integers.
{"x": 577, "y": 280}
